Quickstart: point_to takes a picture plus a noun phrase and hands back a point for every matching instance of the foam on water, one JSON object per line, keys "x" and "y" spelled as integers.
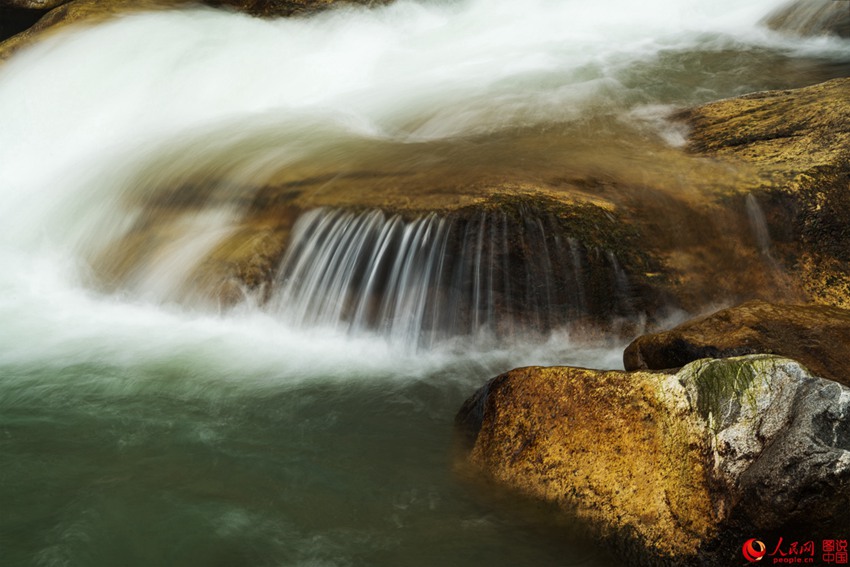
{"x": 48, "y": 324}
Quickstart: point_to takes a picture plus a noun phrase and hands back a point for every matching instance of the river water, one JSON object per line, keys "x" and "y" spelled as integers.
{"x": 135, "y": 430}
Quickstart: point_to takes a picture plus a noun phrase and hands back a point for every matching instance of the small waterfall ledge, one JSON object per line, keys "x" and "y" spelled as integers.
{"x": 493, "y": 273}
{"x": 508, "y": 267}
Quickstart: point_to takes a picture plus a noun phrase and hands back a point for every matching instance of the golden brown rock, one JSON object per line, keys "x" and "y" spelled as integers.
{"x": 799, "y": 143}
{"x": 674, "y": 243}
{"x": 798, "y": 132}
{"x": 269, "y": 8}
{"x": 617, "y": 450}
{"x": 33, "y": 4}
{"x": 671, "y": 469}
{"x": 815, "y": 335}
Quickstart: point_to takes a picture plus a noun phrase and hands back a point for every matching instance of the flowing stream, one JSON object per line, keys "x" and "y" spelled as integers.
{"x": 140, "y": 428}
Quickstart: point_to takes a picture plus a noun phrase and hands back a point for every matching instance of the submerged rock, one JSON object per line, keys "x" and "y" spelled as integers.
{"x": 812, "y": 17}
{"x": 672, "y": 469}
{"x": 815, "y": 335}
{"x": 601, "y": 248}
{"x": 503, "y": 266}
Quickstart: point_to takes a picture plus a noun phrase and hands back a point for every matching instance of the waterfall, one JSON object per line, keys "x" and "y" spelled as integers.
{"x": 492, "y": 273}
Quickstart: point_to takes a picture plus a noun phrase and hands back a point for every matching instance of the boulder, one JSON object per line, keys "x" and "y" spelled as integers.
{"x": 795, "y": 132}
{"x": 815, "y": 335}
{"x": 672, "y": 469}
{"x": 812, "y": 17}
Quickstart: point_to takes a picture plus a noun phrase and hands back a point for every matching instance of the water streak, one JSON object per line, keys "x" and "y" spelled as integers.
{"x": 758, "y": 225}
{"x": 420, "y": 281}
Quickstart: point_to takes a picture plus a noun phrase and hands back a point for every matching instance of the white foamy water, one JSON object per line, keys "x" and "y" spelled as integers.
{"x": 94, "y": 118}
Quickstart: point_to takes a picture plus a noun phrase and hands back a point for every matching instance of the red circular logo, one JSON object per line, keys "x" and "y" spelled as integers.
{"x": 753, "y": 550}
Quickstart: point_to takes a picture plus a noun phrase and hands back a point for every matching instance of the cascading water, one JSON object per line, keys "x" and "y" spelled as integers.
{"x": 433, "y": 278}
{"x": 139, "y": 425}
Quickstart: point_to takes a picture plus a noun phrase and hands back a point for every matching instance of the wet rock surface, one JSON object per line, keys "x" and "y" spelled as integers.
{"x": 662, "y": 242}
{"x": 815, "y": 335}
{"x": 32, "y": 4}
{"x": 799, "y": 141}
{"x": 803, "y": 130}
{"x": 758, "y": 211}
{"x": 671, "y": 469}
